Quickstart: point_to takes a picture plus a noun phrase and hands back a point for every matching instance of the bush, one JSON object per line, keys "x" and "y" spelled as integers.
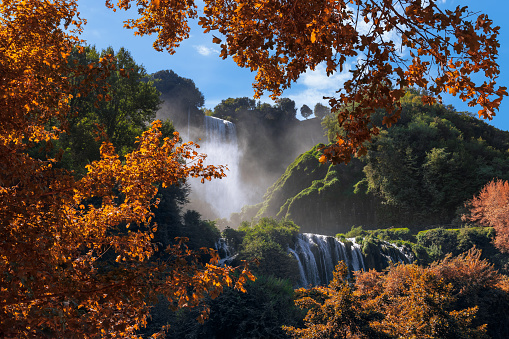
{"x": 481, "y": 237}
{"x": 438, "y": 242}
{"x": 356, "y": 231}
{"x": 391, "y": 234}
{"x": 267, "y": 241}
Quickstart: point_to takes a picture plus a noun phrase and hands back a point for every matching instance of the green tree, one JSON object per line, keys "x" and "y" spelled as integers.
{"x": 286, "y": 110}
{"x": 177, "y": 90}
{"x": 181, "y": 99}
{"x": 267, "y": 242}
{"x": 120, "y": 107}
{"x": 321, "y": 111}
{"x": 232, "y": 109}
{"x": 427, "y": 165}
{"x": 305, "y": 111}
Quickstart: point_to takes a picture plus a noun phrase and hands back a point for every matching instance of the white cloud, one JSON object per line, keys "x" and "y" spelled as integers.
{"x": 317, "y": 85}
{"x": 205, "y": 51}
{"x": 365, "y": 27}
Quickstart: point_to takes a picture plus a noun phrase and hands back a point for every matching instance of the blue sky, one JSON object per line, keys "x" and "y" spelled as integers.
{"x": 198, "y": 59}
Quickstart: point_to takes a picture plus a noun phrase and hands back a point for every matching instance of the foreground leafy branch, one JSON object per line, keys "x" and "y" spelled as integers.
{"x": 281, "y": 40}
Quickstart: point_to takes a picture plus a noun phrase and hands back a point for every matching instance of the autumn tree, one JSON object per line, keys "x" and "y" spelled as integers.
{"x": 491, "y": 208}
{"x": 476, "y": 283}
{"x": 333, "y": 311}
{"x": 282, "y": 40}
{"x": 305, "y": 111}
{"x": 408, "y": 301}
{"x": 75, "y": 254}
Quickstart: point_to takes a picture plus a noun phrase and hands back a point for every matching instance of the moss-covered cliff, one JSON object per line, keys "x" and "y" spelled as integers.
{"x": 320, "y": 198}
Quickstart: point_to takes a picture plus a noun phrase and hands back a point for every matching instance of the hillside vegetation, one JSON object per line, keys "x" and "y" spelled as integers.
{"x": 419, "y": 173}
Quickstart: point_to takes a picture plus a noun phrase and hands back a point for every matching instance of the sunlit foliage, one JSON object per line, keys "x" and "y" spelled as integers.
{"x": 451, "y": 299}
{"x": 491, "y": 208}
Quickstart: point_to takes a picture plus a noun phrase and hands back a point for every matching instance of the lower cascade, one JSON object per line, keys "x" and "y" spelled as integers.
{"x": 317, "y": 256}
{"x": 225, "y": 252}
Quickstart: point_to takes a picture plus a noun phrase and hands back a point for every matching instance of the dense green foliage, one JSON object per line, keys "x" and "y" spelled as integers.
{"x": 267, "y": 242}
{"x": 119, "y": 108}
{"x": 418, "y": 173}
{"x": 181, "y": 100}
{"x": 432, "y": 161}
{"x": 259, "y": 313}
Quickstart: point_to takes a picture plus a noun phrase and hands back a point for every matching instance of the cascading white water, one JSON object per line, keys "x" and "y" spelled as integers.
{"x": 225, "y": 252}
{"x": 318, "y": 255}
{"x": 357, "y": 258}
{"x": 306, "y": 258}
{"x": 224, "y": 196}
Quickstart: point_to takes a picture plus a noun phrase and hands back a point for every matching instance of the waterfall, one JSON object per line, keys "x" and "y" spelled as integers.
{"x": 223, "y": 196}
{"x": 318, "y": 255}
{"x": 225, "y": 252}
{"x": 219, "y": 131}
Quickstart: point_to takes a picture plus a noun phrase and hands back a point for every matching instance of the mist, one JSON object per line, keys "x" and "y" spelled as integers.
{"x": 255, "y": 154}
